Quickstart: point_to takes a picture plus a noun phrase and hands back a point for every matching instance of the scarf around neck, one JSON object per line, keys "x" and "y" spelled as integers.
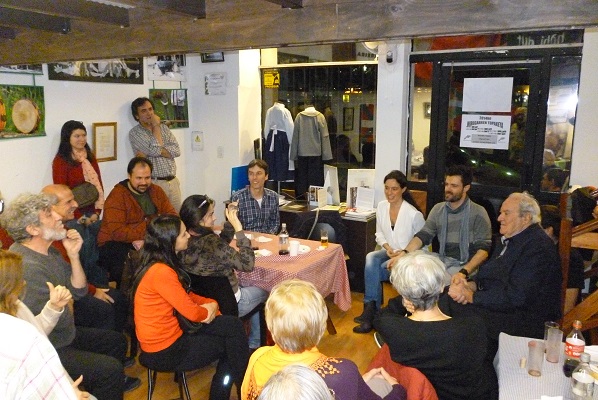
{"x": 90, "y": 175}
{"x": 463, "y": 229}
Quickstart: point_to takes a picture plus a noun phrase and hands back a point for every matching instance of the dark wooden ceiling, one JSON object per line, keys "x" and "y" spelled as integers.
{"x": 151, "y": 27}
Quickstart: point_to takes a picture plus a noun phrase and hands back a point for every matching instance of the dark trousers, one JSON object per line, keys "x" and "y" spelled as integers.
{"x": 97, "y": 354}
{"x": 308, "y": 171}
{"x": 112, "y": 258}
{"x": 224, "y": 340}
{"x": 92, "y": 312}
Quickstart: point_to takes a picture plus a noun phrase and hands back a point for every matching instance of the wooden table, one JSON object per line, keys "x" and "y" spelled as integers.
{"x": 516, "y": 384}
{"x": 326, "y": 269}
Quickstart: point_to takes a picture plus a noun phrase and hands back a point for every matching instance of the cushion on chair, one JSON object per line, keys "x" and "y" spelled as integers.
{"x": 417, "y": 385}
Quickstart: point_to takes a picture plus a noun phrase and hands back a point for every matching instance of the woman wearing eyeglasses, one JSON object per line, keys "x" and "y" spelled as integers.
{"x": 157, "y": 292}
{"x": 209, "y": 256}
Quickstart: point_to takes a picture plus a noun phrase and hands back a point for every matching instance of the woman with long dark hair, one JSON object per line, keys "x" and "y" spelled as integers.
{"x": 75, "y": 164}
{"x": 210, "y": 256}
{"x": 397, "y": 219}
{"x": 158, "y": 292}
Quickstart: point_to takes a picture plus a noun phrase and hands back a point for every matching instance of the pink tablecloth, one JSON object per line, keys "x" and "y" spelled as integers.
{"x": 326, "y": 269}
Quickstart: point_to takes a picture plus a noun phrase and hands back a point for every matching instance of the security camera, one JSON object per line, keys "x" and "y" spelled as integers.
{"x": 389, "y": 57}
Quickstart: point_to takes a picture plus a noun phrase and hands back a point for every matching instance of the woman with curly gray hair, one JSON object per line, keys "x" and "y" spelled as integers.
{"x": 450, "y": 351}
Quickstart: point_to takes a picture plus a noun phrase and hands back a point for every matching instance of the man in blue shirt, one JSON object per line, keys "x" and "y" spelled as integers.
{"x": 258, "y": 206}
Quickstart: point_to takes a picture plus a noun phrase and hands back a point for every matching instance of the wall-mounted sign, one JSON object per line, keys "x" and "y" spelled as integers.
{"x": 271, "y": 79}
{"x": 485, "y": 131}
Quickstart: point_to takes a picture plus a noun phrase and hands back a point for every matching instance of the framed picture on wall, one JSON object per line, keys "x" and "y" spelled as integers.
{"x": 348, "y": 115}
{"x": 104, "y": 141}
{"x": 116, "y": 70}
{"x": 212, "y": 57}
{"x": 171, "y": 106}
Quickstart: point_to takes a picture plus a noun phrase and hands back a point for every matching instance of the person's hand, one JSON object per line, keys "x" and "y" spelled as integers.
{"x": 232, "y": 215}
{"x": 371, "y": 374}
{"x": 137, "y": 244}
{"x": 379, "y": 373}
{"x": 72, "y": 243}
{"x": 59, "y": 296}
{"x": 458, "y": 278}
{"x": 140, "y": 154}
{"x": 91, "y": 219}
{"x": 80, "y": 393}
{"x": 103, "y": 295}
{"x": 388, "y": 377}
{"x": 154, "y": 120}
{"x": 408, "y": 305}
{"x": 460, "y": 292}
{"x": 392, "y": 253}
{"x": 212, "y": 309}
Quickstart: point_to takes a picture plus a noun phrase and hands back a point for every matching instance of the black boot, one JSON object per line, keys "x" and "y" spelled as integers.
{"x": 369, "y": 308}
{"x": 367, "y": 318}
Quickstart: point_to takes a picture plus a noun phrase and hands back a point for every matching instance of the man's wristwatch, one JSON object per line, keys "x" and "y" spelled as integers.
{"x": 464, "y": 272}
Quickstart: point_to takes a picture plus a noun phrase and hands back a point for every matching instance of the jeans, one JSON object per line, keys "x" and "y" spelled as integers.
{"x": 374, "y": 273}
{"x": 251, "y": 297}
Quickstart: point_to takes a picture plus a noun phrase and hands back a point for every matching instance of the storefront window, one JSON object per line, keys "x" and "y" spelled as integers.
{"x": 345, "y": 94}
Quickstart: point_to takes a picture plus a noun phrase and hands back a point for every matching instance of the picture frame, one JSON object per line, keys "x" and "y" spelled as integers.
{"x": 217, "y": 56}
{"x": 172, "y": 106}
{"x": 22, "y": 111}
{"x": 348, "y": 116}
{"x": 427, "y": 110}
{"x": 104, "y": 141}
{"x": 115, "y": 70}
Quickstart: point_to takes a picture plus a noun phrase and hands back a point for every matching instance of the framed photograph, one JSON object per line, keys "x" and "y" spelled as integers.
{"x": 116, "y": 70}
{"x": 104, "y": 141}
{"x": 212, "y": 57}
{"x": 22, "y": 111}
{"x": 171, "y": 106}
{"x": 348, "y": 115}
{"x": 427, "y": 110}
{"x": 167, "y": 68}
{"x": 34, "y": 69}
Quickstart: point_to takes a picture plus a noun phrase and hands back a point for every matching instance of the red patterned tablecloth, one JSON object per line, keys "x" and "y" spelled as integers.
{"x": 326, "y": 269}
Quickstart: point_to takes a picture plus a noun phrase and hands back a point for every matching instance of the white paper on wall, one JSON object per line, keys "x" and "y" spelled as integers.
{"x": 485, "y": 131}
{"x": 487, "y": 94}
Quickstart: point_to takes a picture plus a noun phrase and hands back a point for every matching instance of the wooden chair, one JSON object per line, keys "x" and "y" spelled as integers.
{"x": 415, "y": 382}
{"x": 582, "y": 236}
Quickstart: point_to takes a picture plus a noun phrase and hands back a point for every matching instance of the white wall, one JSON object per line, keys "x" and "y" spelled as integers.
{"x": 584, "y": 166}
{"x": 230, "y": 121}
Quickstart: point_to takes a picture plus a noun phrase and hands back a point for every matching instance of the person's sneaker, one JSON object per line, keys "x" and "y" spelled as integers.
{"x": 131, "y": 383}
{"x": 378, "y": 339}
{"x": 129, "y": 362}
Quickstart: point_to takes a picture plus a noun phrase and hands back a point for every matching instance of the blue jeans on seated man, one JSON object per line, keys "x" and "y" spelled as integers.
{"x": 375, "y": 272}
{"x": 251, "y": 297}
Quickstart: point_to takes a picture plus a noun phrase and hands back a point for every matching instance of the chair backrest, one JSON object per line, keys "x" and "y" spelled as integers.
{"x": 316, "y": 234}
{"x": 302, "y": 226}
{"x": 417, "y": 385}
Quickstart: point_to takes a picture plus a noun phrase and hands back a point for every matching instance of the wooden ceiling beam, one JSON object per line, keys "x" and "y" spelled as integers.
{"x": 20, "y": 18}
{"x": 83, "y": 9}
{"x": 7, "y": 33}
{"x": 195, "y": 8}
{"x": 294, "y": 4}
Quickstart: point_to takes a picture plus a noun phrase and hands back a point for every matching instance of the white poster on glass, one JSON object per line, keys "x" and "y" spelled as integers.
{"x": 485, "y": 131}
{"x": 487, "y": 94}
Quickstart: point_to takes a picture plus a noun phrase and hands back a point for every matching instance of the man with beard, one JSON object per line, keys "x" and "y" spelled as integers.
{"x": 461, "y": 226}
{"x": 96, "y": 354}
{"x": 102, "y": 307}
{"x": 129, "y": 207}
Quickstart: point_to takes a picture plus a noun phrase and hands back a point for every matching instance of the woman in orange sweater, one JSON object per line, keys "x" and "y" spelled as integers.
{"x": 157, "y": 292}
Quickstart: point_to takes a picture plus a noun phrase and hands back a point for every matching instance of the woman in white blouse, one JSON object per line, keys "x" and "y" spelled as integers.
{"x": 397, "y": 220}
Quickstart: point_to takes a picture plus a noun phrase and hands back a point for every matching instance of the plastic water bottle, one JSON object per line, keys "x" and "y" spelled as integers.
{"x": 582, "y": 381}
{"x": 574, "y": 346}
{"x": 283, "y": 240}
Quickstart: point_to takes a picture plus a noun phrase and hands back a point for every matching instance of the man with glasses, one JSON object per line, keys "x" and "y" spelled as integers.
{"x": 131, "y": 204}
{"x": 258, "y": 206}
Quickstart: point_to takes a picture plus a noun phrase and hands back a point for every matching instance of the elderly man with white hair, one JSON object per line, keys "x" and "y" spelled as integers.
{"x": 520, "y": 287}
